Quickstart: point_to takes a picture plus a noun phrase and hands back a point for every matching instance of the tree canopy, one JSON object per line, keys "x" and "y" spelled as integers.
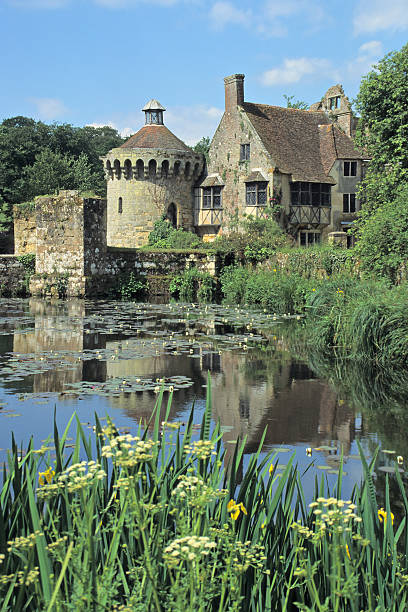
{"x": 382, "y": 103}
{"x": 36, "y": 158}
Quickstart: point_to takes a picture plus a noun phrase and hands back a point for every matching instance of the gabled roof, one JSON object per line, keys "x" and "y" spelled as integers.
{"x": 155, "y": 137}
{"x": 212, "y": 180}
{"x": 293, "y": 139}
{"x": 335, "y": 144}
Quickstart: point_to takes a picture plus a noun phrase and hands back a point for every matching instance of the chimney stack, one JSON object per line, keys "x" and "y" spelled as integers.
{"x": 234, "y": 91}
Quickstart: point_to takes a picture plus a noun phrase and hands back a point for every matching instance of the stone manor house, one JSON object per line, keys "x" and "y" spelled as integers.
{"x": 301, "y": 163}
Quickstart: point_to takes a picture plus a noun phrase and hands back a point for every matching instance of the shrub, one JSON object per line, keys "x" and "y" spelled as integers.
{"x": 193, "y": 286}
{"x": 164, "y": 236}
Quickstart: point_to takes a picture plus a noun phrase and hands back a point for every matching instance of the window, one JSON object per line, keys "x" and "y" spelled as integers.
{"x": 212, "y": 197}
{"x": 256, "y": 194}
{"x": 350, "y": 168}
{"x": 349, "y": 202}
{"x": 120, "y": 206}
{"x": 334, "y": 102}
{"x": 245, "y": 152}
{"x": 309, "y": 238}
{"x": 310, "y": 194}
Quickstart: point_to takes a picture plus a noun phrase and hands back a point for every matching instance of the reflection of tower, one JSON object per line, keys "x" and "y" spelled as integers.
{"x": 58, "y": 327}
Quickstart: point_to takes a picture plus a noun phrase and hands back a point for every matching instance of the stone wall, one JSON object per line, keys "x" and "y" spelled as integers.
{"x": 24, "y": 230}
{"x": 13, "y": 277}
{"x": 73, "y": 260}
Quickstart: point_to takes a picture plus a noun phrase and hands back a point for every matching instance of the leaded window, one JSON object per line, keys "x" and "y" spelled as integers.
{"x": 349, "y": 202}
{"x": 212, "y": 197}
{"x": 256, "y": 193}
{"x": 310, "y": 194}
{"x": 350, "y": 168}
{"x": 307, "y": 238}
{"x": 245, "y": 152}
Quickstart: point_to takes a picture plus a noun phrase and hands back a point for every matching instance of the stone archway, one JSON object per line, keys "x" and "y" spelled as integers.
{"x": 172, "y": 214}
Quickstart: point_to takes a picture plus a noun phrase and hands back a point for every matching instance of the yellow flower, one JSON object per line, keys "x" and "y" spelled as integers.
{"x": 382, "y": 515}
{"x": 348, "y": 551}
{"x": 313, "y": 289}
{"x": 46, "y": 476}
{"x": 235, "y": 509}
{"x": 309, "y": 452}
{"x": 271, "y": 468}
{"x": 400, "y": 460}
{"x": 274, "y": 269}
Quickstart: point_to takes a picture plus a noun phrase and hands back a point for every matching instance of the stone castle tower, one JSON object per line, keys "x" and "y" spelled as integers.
{"x": 151, "y": 174}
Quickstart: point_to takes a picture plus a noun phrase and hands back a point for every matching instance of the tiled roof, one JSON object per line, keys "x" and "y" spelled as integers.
{"x": 292, "y": 137}
{"x": 255, "y": 176}
{"x": 212, "y": 180}
{"x": 334, "y": 144}
{"x": 155, "y": 137}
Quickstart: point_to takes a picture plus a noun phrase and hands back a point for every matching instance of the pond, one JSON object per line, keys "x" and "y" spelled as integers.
{"x": 111, "y": 358}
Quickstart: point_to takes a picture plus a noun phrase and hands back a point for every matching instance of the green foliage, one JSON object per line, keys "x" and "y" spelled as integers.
{"x": 251, "y": 239}
{"x": 152, "y": 522}
{"x": 366, "y": 320}
{"x": 274, "y": 290}
{"x": 382, "y": 245}
{"x": 291, "y": 103}
{"x": 383, "y": 127}
{"x": 193, "y": 286}
{"x": 311, "y": 262}
{"x": 28, "y": 261}
{"x": 164, "y": 236}
{"x": 71, "y": 152}
{"x": 203, "y": 146}
{"x": 129, "y": 287}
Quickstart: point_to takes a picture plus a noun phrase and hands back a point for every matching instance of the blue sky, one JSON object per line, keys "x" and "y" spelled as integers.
{"x": 97, "y": 62}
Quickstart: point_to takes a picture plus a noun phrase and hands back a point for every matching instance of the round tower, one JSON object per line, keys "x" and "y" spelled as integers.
{"x": 151, "y": 174}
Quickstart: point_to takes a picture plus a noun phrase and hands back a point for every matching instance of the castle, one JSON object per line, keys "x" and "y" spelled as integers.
{"x": 301, "y": 164}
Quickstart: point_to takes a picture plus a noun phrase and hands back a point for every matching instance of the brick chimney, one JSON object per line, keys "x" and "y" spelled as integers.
{"x": 234, "y": 91}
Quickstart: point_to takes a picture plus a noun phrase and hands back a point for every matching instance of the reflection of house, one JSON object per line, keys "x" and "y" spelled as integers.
{"x": 301, "y": 163}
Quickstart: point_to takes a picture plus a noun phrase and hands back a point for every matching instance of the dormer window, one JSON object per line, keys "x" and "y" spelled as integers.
{"x": 154, "y": 113}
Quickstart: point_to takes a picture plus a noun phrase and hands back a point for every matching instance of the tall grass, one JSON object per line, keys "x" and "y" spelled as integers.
{"x": 156, "y": 523}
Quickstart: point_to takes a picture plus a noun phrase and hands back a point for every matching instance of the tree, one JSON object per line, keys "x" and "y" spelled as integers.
{"x": 26, "y": 146}
{"x": 382, "y": 103}
{"x": 299, "y": 104}
{"x": 382, "y": 246}
{"x": 203, "y": 146}
{"x": 53, "y": 171}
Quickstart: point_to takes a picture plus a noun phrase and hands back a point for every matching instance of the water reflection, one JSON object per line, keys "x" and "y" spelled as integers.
{"x": 69, "y": 352}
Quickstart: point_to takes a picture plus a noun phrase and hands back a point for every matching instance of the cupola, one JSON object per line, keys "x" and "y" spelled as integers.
{"x": 154, "y": 113}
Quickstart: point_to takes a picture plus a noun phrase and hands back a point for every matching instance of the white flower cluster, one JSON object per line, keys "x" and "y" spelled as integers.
{"x": 190, "y": 548}
{"x": 196, "y": 491}
{"x": 202, "y": 449}
{"x": 128, "y": 450}
{"x": 77, "y": 476}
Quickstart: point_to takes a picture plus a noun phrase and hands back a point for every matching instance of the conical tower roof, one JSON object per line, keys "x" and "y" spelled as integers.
{"x": 155, "y": 137}
{"x": 153, "y": 105}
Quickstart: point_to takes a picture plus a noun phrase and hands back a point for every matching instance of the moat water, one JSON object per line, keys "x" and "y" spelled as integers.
{"x": 110, "y": 358}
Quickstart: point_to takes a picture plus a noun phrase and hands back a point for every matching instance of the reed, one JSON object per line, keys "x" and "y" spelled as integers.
{"x": 155, "y": 521}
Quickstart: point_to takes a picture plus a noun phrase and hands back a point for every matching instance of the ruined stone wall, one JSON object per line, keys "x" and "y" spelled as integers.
{"x": 73, "y": 260}
{"x": 13, "y": 276}
{"x": 25, "y": 238}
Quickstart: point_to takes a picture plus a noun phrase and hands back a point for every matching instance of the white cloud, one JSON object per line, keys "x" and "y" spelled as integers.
{"x": 375, "y": 15}
{"x": 49, "y": 108}
{"x": 294, "y": 70}
{"x": 367, "y": 55}
{"x": 41, "y": 4}
{"x": 225, "y": 13}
